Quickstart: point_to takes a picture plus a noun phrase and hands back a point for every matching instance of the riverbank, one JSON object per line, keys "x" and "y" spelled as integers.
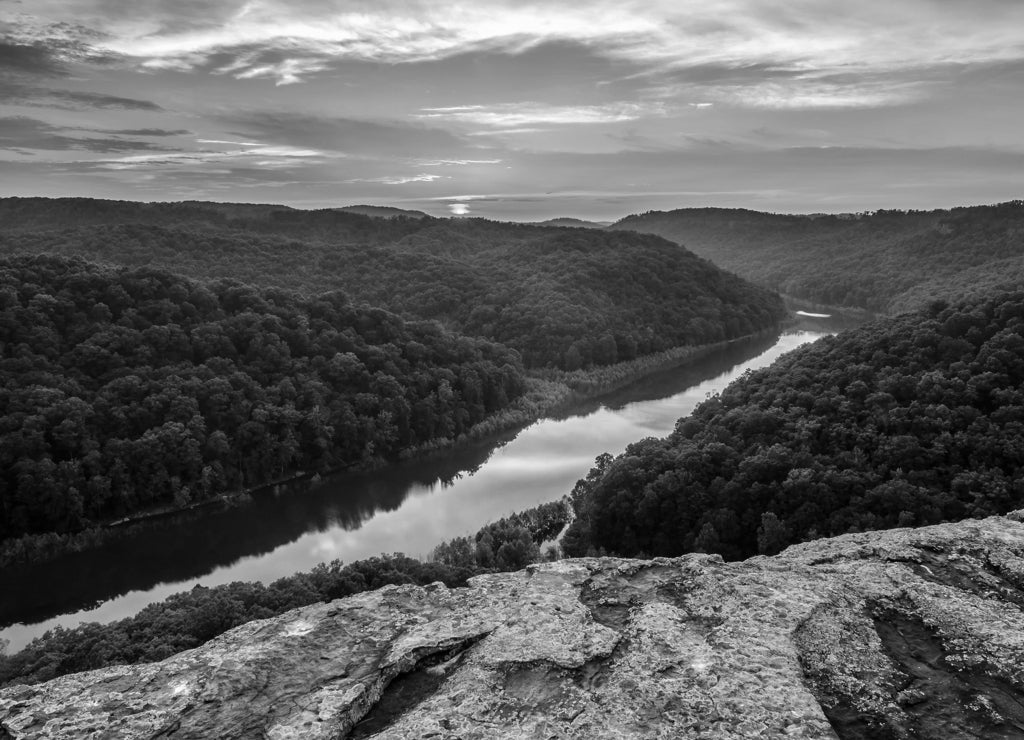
{"x": 549, "y": 392}
{"x": 408, "y": 507}
{"x": 858, "y": 313}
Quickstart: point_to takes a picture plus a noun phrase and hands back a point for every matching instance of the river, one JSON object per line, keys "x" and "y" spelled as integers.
{"x": 406, "y": 508}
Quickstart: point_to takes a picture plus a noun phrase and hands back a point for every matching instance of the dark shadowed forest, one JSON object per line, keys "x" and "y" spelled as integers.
{"x": 907, "y": 421}
{"x": 125, "y": 389}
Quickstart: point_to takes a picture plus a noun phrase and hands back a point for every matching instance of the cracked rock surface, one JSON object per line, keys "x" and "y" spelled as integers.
{"x": 910, "y": 633}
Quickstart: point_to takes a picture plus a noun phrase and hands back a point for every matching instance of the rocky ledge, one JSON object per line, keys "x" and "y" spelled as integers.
{"x": 911, "y": 633}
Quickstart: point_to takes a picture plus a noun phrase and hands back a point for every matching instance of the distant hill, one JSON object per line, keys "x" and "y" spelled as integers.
{"x": 576, "y": 223}
{"x": 567, "y": 298}
{"x": 19, "y": 215}
{"x": 383, "y": 212}
{"x": 886, "y": 260}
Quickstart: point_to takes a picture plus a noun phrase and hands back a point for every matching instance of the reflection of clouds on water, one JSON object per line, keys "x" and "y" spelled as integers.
{"x": 659, "y": 418}
{"x": 531, "y": 466}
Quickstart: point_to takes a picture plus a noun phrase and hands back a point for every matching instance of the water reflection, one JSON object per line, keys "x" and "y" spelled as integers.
{"x": 406, "y": 508}
{"x": 185, "y": 546}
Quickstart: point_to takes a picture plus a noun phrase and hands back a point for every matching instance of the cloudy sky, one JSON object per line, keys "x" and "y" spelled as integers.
{"x": 513, "y": 109}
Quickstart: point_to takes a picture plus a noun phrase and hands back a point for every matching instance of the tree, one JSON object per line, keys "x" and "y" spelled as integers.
{"x": 772, "y": 535}
{"x": 707, "y": 540}
{"x": 518, "y": 551}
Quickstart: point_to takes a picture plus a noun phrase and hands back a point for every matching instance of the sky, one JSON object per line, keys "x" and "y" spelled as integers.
{"x": 516, "y": 110}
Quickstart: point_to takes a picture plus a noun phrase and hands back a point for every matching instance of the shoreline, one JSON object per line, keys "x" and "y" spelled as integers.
{"x": 858, "y": 311}
{"x": 549, "y": 392}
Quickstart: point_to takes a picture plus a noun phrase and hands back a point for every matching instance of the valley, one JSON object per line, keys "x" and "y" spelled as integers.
{"x": 408, "y": 507}
{"x": 503, "y": 370}
{"x": 214, "y": 413}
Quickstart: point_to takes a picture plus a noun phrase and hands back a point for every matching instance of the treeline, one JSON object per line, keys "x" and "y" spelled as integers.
{"x": 25, "y": 215}
{"x": 882, "y": 261}
{"x": 127, "y": 389}
{"x": 188, "y": 619}
{"x": 908, "y": 421}
{"x": 563, "y": 298}
{"x": 507, "y": 544}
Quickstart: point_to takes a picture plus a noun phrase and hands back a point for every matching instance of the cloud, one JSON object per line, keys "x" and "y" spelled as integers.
{"x": 866, "y": 175}
{"x": 286, "y": 72}
{"x": 526, "y": 114}
{"x": 284, "y": 68}
{"x": 46, "y": 97}
{"x": 505, "y": 131}
{"x": 74, "y": 99}
{"x": 312, "y": 33}
{"x": 23, "y": 134}
{"x": 267, "y": 156}
{"x": 775, "y": 88}
{"x": 292, "y": 40}
{"x": 463, "y": 198}
{"x": 47, "y": 50}
{"x": 456, "y": 162}
{"x": 379, "y": 97}
{"x": 397, "y": 179}
{"x": 146, "y": 132}
{"x": 32, "y": 56}
{"x": 337, "y": 134}
{"x": 29, "y": 59}
{"x": 823, "y": 93}
{"x": 228, "y": 141}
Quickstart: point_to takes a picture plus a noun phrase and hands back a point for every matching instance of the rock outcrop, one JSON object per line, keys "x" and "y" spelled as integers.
{"x": 911, "y": 633}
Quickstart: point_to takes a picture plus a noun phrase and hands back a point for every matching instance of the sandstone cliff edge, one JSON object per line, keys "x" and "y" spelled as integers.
{"x": 903, "y": 634}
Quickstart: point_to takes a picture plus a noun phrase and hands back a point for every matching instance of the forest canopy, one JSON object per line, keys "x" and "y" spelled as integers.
{"x": 904, "y": 422}
{"x": 564, "y": 298}
{"x": 883, "y": 261}
{"x": 125, "y": 389}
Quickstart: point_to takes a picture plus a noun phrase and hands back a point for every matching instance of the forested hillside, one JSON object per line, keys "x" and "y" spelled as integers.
{"x": 566, "y": 298}
{"x": 25, "y": 215}
{"x": 383, "y": 211}
{"x": 906, "y": 421}
{"x": 887, "y": 260}
{"x": 124, "y": 389}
